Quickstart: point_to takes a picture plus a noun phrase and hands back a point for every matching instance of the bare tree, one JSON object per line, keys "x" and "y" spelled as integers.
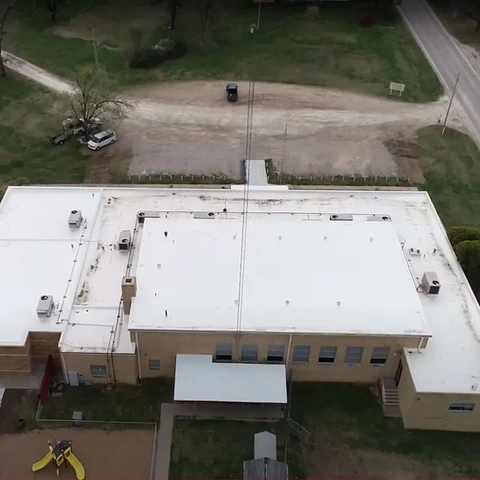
{"x": 205, "y": 10}
{"x": 472, "y": 10}
{"x": 3, "y": 32}
{"x": 95, "y": 97}
{"x": 52, "y": 6}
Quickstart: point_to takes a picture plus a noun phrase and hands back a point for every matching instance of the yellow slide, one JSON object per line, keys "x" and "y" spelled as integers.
{"x": 43, "y": 462}
{"x": 77, "y": 466}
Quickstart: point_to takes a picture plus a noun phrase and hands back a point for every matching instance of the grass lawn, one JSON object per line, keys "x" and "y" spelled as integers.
{"x": 451, "y": 166}
{"x": 123, "y": 403}
{"x": 349, "y": 415}
{"x": 216, "y": 449}
{"x": 332, "y": 51}
{"x": 462, "y": 27}
{"x": 26, "y": 156}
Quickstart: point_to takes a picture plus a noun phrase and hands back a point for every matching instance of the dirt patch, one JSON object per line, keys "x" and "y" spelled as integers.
{"x": 110, "y": 27}
{"x": 407, "y": 155}
{"x": 115, "y": 455}
{"x": 190, "y": 128}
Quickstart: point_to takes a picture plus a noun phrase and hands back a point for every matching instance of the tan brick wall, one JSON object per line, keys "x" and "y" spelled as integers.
{"x": 44, "y": 344}
{"x": 430, "y": 411}
{"x": 16, "y": 363}
{"x": 123, "y": 369}
{"x": 165, "y": 346}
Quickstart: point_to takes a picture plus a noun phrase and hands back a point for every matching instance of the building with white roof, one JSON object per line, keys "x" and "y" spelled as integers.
{"x": 124, "y": 283}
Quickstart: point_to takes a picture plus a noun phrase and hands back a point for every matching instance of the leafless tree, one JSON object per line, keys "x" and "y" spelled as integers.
{"x": 3, "y": 21}
{"x": 52, "y": 6}
{"x": 95, "y": 97}
{"x": 472, "y": 10}
{"x": 206, "y": 10}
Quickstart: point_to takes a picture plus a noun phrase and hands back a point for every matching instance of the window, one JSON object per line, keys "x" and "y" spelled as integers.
{"x": 98, "y": 371}
{"x": 154, "y": 364}
{"x": 327, "y": 355}
{"x": 249, "y": 353}
{"x": 461, "y": 407}
{"x": 379, "y": 355}
{"x": 275, "y": 353}
{"x": 353, "y": 355}
{"x": 223, "y": 352}
{"x": 301, "y": 354}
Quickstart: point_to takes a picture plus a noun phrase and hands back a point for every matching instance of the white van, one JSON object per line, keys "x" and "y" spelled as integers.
{"x": 102, "y": 139}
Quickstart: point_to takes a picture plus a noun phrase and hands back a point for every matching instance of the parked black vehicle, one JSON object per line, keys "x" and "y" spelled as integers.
{"x": 232, "y": 92}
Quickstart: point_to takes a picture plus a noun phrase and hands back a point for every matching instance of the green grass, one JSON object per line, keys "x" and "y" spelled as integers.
{"x": 451, "y": 166}
{"x": 350, "y": 415}
{"x": 26, "y": 120}
{"x": 332, "y": 51}
{"x": 122, "y": 403}
{"x": 216, "y": 449}
{"x": 463, "y": 27}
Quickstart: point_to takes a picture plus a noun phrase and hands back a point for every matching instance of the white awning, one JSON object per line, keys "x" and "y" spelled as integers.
{"x": 198, "y": 379}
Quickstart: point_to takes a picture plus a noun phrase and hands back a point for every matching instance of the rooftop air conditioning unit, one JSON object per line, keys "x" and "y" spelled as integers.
{"x": 431, "y": 283}
{"x": 45, "y": 306}
{"x": 75, "y": 219}
{"x": 124, "y": 240}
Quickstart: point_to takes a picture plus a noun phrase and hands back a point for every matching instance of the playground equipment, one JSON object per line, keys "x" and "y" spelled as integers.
{"x": 59, "y": 452}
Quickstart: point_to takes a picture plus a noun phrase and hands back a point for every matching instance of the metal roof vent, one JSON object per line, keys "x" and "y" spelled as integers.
{"x": 45, "y": 306}
{"x": 124, "y": 240}
{"x": 341, "y": 217}
{"x": 141, "y": 217}
{"x": 379, "y": 218}
{"x": 204, "y": 215}
{"x": 431, "y": 283}
{"x": 75, "y": 219}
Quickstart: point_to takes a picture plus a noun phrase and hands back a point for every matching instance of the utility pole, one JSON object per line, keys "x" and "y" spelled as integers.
{"x": 258, "y": 20}
{"x": 450, "y": 104}
{"x": 94, "y": 47}
{"x": 283, "y": 154}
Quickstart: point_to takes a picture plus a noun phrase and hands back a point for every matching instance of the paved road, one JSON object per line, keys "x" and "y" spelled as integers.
{"x": 446, "y": 58}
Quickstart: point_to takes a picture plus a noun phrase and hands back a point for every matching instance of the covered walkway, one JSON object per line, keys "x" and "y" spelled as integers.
{"x": 199, "y": 379}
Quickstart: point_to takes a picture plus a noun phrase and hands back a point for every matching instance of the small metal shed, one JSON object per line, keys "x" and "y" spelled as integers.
{"x": 265, "y": 445}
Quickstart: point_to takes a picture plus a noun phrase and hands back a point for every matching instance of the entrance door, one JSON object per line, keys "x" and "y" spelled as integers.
{"x": 398, "y": 373}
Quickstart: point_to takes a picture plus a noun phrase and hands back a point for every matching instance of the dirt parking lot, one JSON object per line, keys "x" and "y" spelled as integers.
{"x": 114, "y": 455}
{"x": 190, "y": 127}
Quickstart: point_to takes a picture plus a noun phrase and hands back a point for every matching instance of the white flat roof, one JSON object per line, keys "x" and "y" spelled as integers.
{"x": 199, "y": 379}
{"x": 82, "y": 269}
{"x": 331, "y": 277}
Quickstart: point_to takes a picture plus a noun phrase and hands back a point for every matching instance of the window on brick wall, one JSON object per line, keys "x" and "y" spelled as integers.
{"x": 223, "y": 352}
{"x": 379, "y": 356}
{"x": 461, "y": 407}
{"x": 301, "y": 354}
{"x": 98, "y": 371}
{"x": 327, "y": 355}
{"x": 353, "y": 355}
{"x": 275, "y": 353}
{"x": 154, "y": 364}
{"x": 249, "y": 353}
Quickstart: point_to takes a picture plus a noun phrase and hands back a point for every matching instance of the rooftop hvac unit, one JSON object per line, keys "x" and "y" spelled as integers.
{"x": 341, "y": 217}
{"x": 431, "y": 283}
{"x": 45, "y": 306}
{"x": 124, "y": 240}
{"x": 75, "y": 219}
